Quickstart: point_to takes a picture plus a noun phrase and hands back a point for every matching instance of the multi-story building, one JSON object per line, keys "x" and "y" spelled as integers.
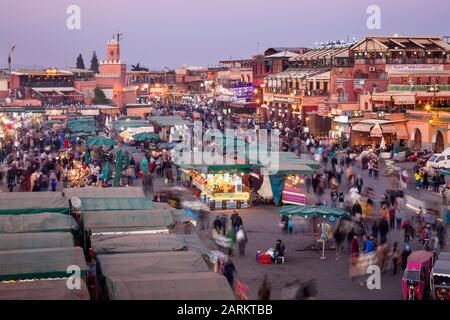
{"x": 411, "y": 77}
{"x": 304, "y": 86}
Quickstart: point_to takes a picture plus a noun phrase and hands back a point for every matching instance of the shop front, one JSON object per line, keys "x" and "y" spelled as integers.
{"x": 221, "y": 187}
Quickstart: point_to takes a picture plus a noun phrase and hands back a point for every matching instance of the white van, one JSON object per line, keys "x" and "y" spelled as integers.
{"x": 440, "y": 160}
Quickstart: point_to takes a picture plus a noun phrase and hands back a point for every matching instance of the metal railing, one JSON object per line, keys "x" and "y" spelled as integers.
{"x": 416, "y": 87}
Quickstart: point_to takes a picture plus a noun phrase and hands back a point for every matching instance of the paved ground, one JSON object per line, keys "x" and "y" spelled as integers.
{"x": 331, "y": 275}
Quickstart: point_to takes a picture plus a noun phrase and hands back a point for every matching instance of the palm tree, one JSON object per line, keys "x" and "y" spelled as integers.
{"x": 138, "y": 67}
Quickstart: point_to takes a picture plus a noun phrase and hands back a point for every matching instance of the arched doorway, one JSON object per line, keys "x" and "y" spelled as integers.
{"x": 417, "y": 140}
{"x": 438, "y": 141}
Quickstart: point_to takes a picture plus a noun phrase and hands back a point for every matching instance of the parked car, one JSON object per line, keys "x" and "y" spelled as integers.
{"x": 440, "y": 160}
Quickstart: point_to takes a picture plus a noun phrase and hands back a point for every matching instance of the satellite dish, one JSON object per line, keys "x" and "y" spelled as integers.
{"x": 76, "y": 202}
{"x": 8, "y": 100}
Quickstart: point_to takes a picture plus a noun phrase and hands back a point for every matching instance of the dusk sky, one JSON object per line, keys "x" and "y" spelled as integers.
{"x": 173, "y": 33}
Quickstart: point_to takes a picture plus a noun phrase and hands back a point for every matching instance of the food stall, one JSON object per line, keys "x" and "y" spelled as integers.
{"x": 221, "y": 187}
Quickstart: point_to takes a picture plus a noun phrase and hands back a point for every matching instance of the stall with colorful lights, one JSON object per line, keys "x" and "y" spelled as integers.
{"x": 221, "y": 187}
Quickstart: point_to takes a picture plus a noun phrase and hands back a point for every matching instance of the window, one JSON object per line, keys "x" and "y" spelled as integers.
{"x": 325, "y": 86}
{"x": 448, "y": 157}
{"x": 441, "y": 158}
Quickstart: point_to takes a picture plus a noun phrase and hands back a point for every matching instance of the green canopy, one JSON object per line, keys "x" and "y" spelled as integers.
{"x": 445, "y": 172}
{"x": 127, "y": 160}
{"x": 43, "y": 263}
{"x": 123, "y": 125}
{"x": 219, "y": 169}
{"x": 169, "y": 121}
{"x": 18, "y": 241}
{"x": 126, "y": 221}
{"x": 117, "y": 204}
{"x": 80, "y": 134}
{"x": 118, "y": 169}
{"x": 101, "y": 141}
{"x": 122, "y": 118}
{"x": 52, "y": 122}
{"x": 107, "y": 171}
{"x": 17, "y": 203}
{"x": 146, "y": 136}
{"x": 87, "y": 156}
{"x": 312, "y": 211}
{"x": 40, "y": 223}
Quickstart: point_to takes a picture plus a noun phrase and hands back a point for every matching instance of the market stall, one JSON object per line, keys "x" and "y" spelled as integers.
{"x": 129, "y": 222}
{"x": 42, "y": 290}
{"x": 116, "y": 204}
{"x": 221, "y": 186}
{"x": 94, "y": 192}
{"x": 129, "y": 243}
{"x": 20, "y": 241}
{"x": 42, "y": 263}
{"x": 169, "y": 286}
{"x": 39, "y": 222}
{"x": 313, "y": 213}
{"x": 16, "y": 203}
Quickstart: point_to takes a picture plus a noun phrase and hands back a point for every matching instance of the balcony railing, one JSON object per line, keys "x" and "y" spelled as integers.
{"x": 403, "y": 60}
{"x": 416, "y": 87}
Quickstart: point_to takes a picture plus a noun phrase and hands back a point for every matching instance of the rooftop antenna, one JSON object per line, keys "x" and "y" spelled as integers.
{"x": 119, "y": 36}
{"x": 257, "y": 48}
{"x": 10, "y": 57}
{"x": 447, "y": 39}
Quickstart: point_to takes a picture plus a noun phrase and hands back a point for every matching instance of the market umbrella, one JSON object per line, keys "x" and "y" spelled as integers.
{"x": 313, "y": 212}
{"x": 127, "y": 160}
{"x": 118, "y": 169}
{"x": 101, "y": 141}
{"x": 107, "y": 171}
{"x": 80, "y": 135}
{"x": 146, "y": 136}
{"x": 87, "y": 156}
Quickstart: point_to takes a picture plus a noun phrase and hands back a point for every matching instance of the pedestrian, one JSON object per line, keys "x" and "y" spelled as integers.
{"x": 264, "y": 290}
{"x": 308, "y": 182}
{"x": 241, "y": 238}
{"x": 334, "y": 198}
{"x": 236, "y": 221}
{"x": 229, "y": 271}
{"x": 355, "y": 249}
{"x": 339, "y": 238}
{"x": 341, "y": 199}
{"x": 392, "y": 214}
{"x": 418, "y": 177}
{"x": 384, "y": 229}
{"x": 399, "y": 211}
{"x": 395, "y": 254}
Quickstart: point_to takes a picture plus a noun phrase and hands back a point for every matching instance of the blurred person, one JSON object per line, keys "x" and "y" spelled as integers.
{"x": 264, "y": 290}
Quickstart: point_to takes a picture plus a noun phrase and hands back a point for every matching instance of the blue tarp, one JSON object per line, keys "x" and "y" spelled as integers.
{"x": 277, "y": 183}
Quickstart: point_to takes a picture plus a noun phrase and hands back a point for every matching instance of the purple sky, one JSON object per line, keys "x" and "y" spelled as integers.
{"x": 172, "y": 33}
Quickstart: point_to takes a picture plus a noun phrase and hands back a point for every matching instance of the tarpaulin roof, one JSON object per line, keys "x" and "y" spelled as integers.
{"x": 41, "y": 222}
{"x": 42, "y": 290}
{"x": 103, "y": 204}
{"x": 18, "y": 241}
{"x": 220, "y": 168}
{"x": 129, "y": 243}
{"x": 42, "y": 263}
{"x": 312, "y": 211}
{"x": 95, "y": 192}
{"x": 287, "y": 168}
{"x": 169, "y": 121}
{"x": 125, "y": 221}
{"x": 170, "y": 286}
{"x": 32, "y": 203}
{"x": 151, "y": 262}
